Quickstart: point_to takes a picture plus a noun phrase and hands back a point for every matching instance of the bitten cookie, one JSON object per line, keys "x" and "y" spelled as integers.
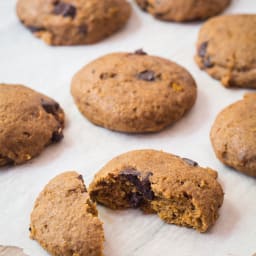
{"x": 228, "y": 52}
{"x": 73, "y": 22}
{"x": 183, "y": 10}
{"x": 65, "y": 221}
{"x": 29, "y": 121}
{"x": 133, "y": 92}
{"x": 175, "y": 188}
{"x": 233, "y": 135}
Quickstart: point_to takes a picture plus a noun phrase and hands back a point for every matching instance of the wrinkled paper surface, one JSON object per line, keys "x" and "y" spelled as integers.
{"x": 86, "y": 148}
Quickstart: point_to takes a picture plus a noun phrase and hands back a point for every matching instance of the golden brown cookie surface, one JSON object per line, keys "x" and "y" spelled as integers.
{"x": 177, "y": 189}
{"x": 183, "y": 10}
{"x": 133, "y": 92}
{"x": 228, "y": 52}
{"x": 233, "y": 135}
{"x": 73, "y": 22}
{"x": 64, "y": 220}
{"x": 29, "y": 121}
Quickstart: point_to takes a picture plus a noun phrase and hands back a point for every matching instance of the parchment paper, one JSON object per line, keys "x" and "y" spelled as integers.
{"x": 86, "y": 148}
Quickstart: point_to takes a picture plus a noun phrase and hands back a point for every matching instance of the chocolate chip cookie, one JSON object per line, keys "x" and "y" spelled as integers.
{"x": 73, "y": 22}
{"x": 228, "y": 52}
{"x": 183, "y": 10}
{"x": 29, "y": 121}
{"x": 133, "y": 92}
{"x": 177, "y": 189}
{"x": 65, "y": 221}
{"x": 233, "y": 135}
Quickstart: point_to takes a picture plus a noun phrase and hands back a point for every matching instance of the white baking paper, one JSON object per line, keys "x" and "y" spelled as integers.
{"x": 86, "y": 148}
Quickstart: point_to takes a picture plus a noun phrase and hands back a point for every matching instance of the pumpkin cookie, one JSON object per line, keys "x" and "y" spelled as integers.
{"x": 177, "y": 189}
{"x": 133, "y": 92}
{"x": 183, "y": 10}
{"x": 65, "y": 221}
{"x": 73, "y": 22}
{"x": 233, "y": 135}
{"x": 29, "y": 121}
{"x": 228, "y": 53}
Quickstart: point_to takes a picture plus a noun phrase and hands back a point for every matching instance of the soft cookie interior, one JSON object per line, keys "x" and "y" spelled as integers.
{"x": 131, "y": 189}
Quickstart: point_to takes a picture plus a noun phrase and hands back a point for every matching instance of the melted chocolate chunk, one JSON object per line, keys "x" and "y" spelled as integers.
{"x": 50, "y": 107}
{"x": 143, "y": 186}
{"x": 202, "y": 49}
{"x": 147, "y": 75}
{"x": 34, "y": 29}
{"x": 202, "y": 53}
{"x": 80, "y": 177}
{"x": 140, "y": 52}
{"x": 136, "y": 199}
{"x": 207, "y": 62}
{"x": 64, "y": 9}
{"x": 57, "y": 136}
{"x": 190, "y": 162}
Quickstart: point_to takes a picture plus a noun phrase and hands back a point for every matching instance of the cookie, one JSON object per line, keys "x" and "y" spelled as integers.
{"x": 29, "y": 121}
{"x": 228, "y": 53}
{"x": 183, "y": 10}
{"x": 177, "y": 189}
{"x": 133, "y": 92}
{"x": 233, "y": 135}
{"x": 73, "y": 22}
{"x": 64, "y": 219}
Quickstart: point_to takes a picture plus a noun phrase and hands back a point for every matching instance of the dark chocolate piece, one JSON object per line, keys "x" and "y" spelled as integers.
{"x": 202, "y": 49}
{"x": 57, "y": 136}
{"x": 64, "y": 9}
{"x": 190, "y": 162}
{"x": 50, "y": 107}
{"x": 35, "y": 29}
{"x": 147, "y": 75}
{"x": 140, "y": 52}
{"x": 142, "y": 185}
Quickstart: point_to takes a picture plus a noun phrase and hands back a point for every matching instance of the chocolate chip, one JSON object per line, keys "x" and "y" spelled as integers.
{"x": 207, "y": 62}
{"x": 136, "y": 199}
{"x": 190, "y": 162}
{"x": 130, "y": 171}
{"x": 147, "y": 75}
{"x": 202, "y": 53}
{"x": 29, "y": 229}
{"x": 64, "y": 9}
{"x": 202, "y": 49}
{"x": 80, "y": 177}
{"x": 143, "y": 186}
{"x": 50, "y": 107}
{"x": 140, "y": 52}
{"x": 57, "y": 136}
{"x": 34, "y": 29}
